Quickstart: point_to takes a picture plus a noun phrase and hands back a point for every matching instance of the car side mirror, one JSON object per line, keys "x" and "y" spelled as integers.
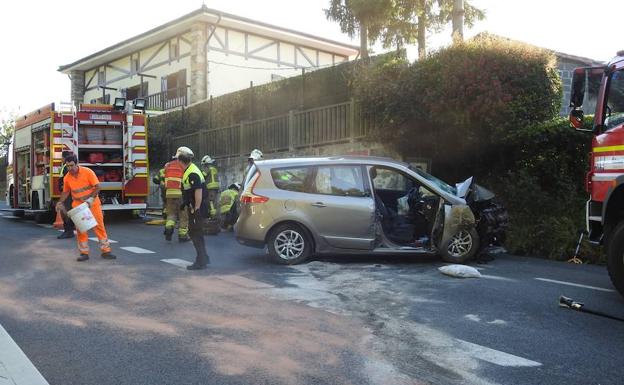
{"x": 576, "y": 118}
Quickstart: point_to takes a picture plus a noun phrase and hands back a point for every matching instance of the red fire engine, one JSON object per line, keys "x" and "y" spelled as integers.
{"x": 602, "y": 89}
{"x": 110, "y": 141}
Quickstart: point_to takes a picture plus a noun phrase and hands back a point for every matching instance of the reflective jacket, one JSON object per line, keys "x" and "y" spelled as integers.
{"x": 227, "y": 199}
{"x": 212, "y": 179}
{"x": 174, "y": 170}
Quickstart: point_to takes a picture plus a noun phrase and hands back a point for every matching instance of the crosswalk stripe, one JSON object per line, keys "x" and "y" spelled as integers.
{"x": 94, "y": 239}
{"x": 183, "y": 263}
{"x": 15, "y": 367}
{"x": 137, "y": 250}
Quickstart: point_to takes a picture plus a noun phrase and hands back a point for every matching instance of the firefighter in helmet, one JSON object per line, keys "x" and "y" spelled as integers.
{"x": 211, "y": 175}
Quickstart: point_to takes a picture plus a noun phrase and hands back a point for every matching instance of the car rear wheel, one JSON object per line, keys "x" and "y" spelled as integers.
{"x": 289, "y": 244}
{"x": 462, "y": 246}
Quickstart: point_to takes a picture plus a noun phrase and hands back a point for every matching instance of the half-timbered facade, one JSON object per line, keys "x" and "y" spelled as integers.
{"x": 204, "y": 53}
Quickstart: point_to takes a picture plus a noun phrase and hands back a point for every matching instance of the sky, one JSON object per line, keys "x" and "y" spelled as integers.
{"x": 39, "y": 36}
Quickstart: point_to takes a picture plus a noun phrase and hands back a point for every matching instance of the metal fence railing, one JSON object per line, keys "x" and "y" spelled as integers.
{"x": 299, "y": 129}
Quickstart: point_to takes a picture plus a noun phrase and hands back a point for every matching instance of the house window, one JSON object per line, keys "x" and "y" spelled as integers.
{"x": 174, "y": 50}
{"x": 101, "y": 77}
{"x": 100, "y": 100}
{"x": 176, "y": 84}
{"x": 136, "y": 91}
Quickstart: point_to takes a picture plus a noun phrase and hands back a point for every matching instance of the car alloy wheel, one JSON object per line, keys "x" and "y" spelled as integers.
{"x": 460, "y": 245}
{"x": 289, "y": 245}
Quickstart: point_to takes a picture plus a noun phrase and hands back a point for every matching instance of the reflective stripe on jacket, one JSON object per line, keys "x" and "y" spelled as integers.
{"x": 82, "y": 185}
{"x": 212, "y": 180}
{"x": 174, "y": 171}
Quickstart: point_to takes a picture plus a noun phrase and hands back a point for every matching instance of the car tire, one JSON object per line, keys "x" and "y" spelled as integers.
{"x": 615, "y": 257}
{"x": 289, "y": 244}
{"x": 461, "y": 247}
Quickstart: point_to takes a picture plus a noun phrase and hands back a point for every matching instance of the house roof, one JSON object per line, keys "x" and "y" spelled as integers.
{"x": 560, "y": 55}
{"x": 210, "y": 16}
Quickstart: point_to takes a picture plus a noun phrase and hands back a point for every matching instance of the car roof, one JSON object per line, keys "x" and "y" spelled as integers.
{"x": 343, "y": 159}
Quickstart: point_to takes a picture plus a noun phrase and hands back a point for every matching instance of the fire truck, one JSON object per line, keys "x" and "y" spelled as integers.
{"x": 109, "y": 139}
{"x": 601, "y": 90}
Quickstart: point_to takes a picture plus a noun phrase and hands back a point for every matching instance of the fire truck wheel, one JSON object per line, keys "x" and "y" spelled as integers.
{"x": 615, "y": 257}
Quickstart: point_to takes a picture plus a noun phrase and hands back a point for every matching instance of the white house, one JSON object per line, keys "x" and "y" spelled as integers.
{"x": 204, "y": 53}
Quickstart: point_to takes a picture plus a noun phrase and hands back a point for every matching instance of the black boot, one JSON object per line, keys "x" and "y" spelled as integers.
{"x": 66, "y": 234}
{"x": 82, "y": 257}
{"x": 202, "y": 256}
{"x": 168, "y": 233}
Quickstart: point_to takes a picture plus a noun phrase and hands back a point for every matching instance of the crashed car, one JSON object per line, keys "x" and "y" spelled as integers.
{"x": 299, "y": 207}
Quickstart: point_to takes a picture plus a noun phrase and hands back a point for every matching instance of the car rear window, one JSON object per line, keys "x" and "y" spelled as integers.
{"x": 291, "y": 179}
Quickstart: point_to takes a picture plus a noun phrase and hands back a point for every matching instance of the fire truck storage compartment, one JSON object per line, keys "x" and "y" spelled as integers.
{"x": 100, "y": 135}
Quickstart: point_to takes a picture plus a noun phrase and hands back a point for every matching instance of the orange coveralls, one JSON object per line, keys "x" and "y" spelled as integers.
{"x": 81, "y": 186}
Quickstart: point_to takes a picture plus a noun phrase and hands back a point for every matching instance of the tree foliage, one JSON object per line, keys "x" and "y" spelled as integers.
{"x": 7, "y": 127}
{"x": 488, "y": 108}
{"x": 396, "y": 23}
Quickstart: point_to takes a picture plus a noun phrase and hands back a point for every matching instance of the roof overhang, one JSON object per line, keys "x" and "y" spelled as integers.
{"x": 208, "y": 16}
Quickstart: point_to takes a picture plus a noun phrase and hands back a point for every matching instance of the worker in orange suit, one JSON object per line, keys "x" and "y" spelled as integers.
{"x": 83, "y": 185}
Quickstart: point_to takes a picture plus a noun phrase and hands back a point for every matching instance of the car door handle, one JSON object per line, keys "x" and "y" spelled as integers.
{"x": 318, "y": 204}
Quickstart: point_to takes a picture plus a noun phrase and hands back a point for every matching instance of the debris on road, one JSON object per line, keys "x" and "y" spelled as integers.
{"x": 460, "y": 271}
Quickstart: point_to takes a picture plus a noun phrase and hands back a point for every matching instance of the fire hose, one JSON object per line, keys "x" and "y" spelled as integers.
{"x": 569, "y": 303}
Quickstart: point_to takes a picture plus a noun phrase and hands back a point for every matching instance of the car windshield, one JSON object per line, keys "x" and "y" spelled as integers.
{"x": 442, "y": 185}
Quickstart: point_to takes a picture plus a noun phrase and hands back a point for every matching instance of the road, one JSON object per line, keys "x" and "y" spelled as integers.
{"x": 336, "y": 320}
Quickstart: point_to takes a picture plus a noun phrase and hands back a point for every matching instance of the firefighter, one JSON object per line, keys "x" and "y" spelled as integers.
{"x": 83, "y": 186}
{"x": 160, "y": 181}
{"x": 195, "y": 201}
{"x": 211, "y": 175}
{"x": 173, "y": 197}
{"x": 227, "y": 206}
{"x": 253, "y": 156}
{"x": 68, "y": 224}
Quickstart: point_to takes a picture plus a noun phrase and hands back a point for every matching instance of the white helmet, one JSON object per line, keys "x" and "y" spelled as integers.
{"x": 236, "y": 186}
{"x": 207, "y": 160}
{"x": 184, "y": 151}
{"x": 256, "y": 154}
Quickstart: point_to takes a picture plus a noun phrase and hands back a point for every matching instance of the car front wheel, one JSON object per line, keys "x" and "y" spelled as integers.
{"x": 462, "y": 246}
{"x": 289, "y": 244}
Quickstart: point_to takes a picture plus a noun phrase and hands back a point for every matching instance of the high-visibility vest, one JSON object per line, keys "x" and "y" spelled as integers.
{"x": 212, "y": 180}
{"x": 174, "y": 171}
{"x": 227, "y": 199}
{"x": 191, "y": 169}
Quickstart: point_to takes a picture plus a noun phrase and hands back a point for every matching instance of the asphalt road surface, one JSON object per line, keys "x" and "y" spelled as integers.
{"x": 335, "y": 320}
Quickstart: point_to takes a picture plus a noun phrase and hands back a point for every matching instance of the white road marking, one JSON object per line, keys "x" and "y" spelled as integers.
{"x": 11, "y": 217}
{"x": 492, "y": 356}
{"x": 44, "y": 225}
{"x": 497, "y": 278}
{"x": 14, "y": 365}
{"x": 183, "y": 263}
{"x": 94, "y": 239}
{"x": 575, "y": 284}
{"x": 245, "y": 282}
{"x": 137, "y": 250}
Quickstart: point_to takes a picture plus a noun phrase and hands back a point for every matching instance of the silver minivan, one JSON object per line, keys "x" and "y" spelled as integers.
{"x": 298, "y": 207}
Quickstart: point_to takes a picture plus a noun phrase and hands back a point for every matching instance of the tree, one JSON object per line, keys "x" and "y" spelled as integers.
{"x": 7, "y": 127}
{"x": 360, "y": 16}
{"x": 460, "y": 13}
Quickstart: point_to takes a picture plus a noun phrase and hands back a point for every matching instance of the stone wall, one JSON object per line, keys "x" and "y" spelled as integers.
{"x": 231, "y": 168}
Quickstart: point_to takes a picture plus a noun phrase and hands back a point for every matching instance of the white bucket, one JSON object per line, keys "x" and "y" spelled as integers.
{"x": 82, "y": 217}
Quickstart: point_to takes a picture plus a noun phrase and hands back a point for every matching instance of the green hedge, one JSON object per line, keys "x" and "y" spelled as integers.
{"x": 489, "y": 108}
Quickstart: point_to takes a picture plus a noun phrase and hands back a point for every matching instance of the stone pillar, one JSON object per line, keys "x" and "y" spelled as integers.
{"x": 77, "y": 87}
{"x": 199, "y": 63}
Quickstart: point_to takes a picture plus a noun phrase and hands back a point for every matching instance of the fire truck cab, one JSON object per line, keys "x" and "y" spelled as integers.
{"x": 601, "y": 90}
